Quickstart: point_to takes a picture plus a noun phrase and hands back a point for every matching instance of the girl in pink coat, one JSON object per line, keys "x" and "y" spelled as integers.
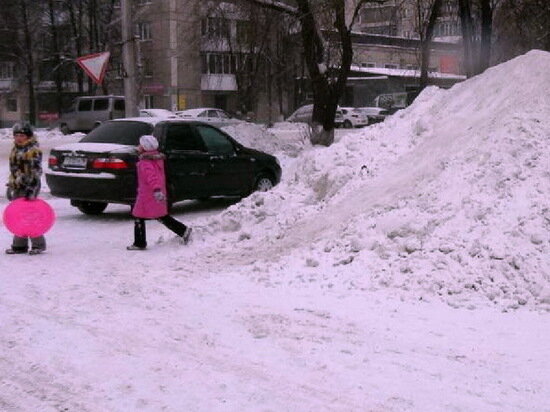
{"x": 151, "y": 200}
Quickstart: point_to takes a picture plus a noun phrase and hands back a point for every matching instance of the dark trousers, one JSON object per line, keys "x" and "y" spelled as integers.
{"x": 22, "y": 243}
{"x": 140, "y": 236}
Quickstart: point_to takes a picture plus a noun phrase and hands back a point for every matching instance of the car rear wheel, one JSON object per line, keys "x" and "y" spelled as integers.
{"x": 91, "y": 208}
{"x": 263, "y": 184}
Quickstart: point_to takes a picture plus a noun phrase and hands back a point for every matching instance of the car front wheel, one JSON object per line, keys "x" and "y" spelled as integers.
{"x": 65, "y": 129}
{"x": 347, "y": 124}
{"x": 91, "y": 208}
{"x": 263, "y": 184}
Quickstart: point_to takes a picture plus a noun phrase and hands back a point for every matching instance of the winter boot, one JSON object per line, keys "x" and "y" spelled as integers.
{"x": 16, "y": 250}
{"x": 186, "y": 235}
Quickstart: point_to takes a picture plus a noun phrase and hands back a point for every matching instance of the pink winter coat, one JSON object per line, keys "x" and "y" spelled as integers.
{"x": 150, "y": 178}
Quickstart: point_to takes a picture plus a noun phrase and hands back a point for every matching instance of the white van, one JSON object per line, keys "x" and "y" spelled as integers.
{"x": 90, "y": 111}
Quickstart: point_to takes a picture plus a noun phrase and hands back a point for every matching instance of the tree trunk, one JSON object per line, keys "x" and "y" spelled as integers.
{"x": 76, "y": 27}
{"x": 57, "y": 59}
{"x": 28, "y": 50}
{"x": 486, "y": 34}
{"x": 426, "y": 43}
{"x": 326, "y": 91}
{"x": 467, "y": 36}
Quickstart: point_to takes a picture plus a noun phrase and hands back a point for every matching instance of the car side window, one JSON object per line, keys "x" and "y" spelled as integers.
{"x": 203, "y": 114}
{"x": 213, "y": 113}
{"x": 85, "y": 105}
{"x": 101, "y": 104}
{"x": 182, "y": 137}
{"x": 223, "y": 114}
{"x": 216, "y": 142}
{"x": 119, "y": 105}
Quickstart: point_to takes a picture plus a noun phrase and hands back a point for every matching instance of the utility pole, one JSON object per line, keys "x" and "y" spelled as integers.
{"x": 129, "y": 59}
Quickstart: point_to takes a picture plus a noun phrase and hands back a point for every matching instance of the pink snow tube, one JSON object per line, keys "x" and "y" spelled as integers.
{"x": 28, "y": 218}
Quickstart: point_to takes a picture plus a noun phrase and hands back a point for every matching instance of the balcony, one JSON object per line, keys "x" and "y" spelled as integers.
{"x": 7, "y": 84}
{"x": 219, "y": 82}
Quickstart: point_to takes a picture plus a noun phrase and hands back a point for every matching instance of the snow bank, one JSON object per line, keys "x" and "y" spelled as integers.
{"x": 285, "y": 139}
{"x": 6, "y": 134}
{"x": 447, "y": 198}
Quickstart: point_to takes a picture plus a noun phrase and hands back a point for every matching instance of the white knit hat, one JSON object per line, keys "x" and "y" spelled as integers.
{"x": 148, "y": 142}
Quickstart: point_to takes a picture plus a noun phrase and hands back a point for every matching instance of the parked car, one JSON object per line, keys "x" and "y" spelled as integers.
{"x": 393, "y": 102}
{"x": 156, "y": 113}
{"x": 304, "y": 114}
{"x": 90, "y": 111}
{"x": 375, "y": 114}
{"x": 215, "y": 117}
{"x": 201, "y": 161}
{"x": 353, "y": 117}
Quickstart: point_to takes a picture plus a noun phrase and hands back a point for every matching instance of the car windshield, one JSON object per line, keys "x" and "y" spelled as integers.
{"x": 127, "y": 133}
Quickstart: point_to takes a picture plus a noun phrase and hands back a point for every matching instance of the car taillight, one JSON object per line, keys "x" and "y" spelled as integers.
{"x": 109, "y": 163}
{"x": 52, "y": 161}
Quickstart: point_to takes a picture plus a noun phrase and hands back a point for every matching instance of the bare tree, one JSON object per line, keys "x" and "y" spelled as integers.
{"x": 53, "y": 15}
{"x": 476, "y": 18}
{"x": 27, "y": 20}
{"x": 521, "y": 25}
{"x": 325, "y": 31}
{"x": 75, "y": 9}
{"x": 427, "y": 12}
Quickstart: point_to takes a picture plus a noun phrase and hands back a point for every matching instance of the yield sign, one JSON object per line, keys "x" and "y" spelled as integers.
{"x": 94, "y": 65}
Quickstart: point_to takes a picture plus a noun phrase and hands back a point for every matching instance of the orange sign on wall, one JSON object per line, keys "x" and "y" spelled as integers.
{"x": 448, "y": 64}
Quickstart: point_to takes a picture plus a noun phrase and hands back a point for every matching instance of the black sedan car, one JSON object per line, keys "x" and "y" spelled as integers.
{"x": 201, "y": 161}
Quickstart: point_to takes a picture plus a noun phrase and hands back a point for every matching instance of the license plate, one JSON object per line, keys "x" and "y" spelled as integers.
{"x": 73, "y": 161}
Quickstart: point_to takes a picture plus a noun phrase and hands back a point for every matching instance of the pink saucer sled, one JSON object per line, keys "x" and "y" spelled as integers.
{"x": 28, "y": 218}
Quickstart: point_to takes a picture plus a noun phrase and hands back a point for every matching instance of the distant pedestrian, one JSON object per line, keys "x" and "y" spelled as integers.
{"x": 24, "y": 181}
{"x": 151, "y": 200}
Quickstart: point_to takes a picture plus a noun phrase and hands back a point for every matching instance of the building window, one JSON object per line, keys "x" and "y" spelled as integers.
{"x": 119, "y": 70}
{"x": 11, "y": 105}
{"x": 244, "y": 30}
{"x": 143, "y": 31}
{"x": 148, "y": 101}
{"x": 219, "y": 63}
{"x": 215, "y": 27}
{"x": 7, "y": 70}
{"x": 143, "y": 2}
{"x": 147, "y": 67}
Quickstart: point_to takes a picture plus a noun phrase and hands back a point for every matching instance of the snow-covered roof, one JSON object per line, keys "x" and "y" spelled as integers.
{"x": 404, "y": 73}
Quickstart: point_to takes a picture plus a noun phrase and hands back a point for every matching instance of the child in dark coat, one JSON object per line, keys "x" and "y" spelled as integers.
{"x": 24, "y": 181}
{"x": 151, "y": 201}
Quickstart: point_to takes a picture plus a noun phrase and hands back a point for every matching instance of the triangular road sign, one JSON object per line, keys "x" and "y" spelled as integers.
{"x": 95, "y": 65}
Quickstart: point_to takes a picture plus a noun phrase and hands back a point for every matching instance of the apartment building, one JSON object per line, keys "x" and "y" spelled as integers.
{"x": 211, "y": 54}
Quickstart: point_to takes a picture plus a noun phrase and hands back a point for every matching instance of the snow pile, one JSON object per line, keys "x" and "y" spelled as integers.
{"x": 6, "y": 133}
{"x": 448, "y": 198}
{"x": 285, "y": 139}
